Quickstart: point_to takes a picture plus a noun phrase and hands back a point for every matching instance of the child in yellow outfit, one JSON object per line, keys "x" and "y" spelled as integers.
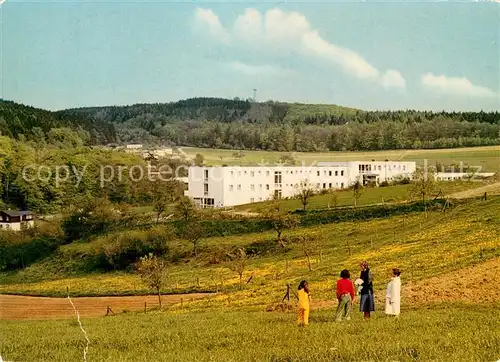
{"x": 303, "y": 294}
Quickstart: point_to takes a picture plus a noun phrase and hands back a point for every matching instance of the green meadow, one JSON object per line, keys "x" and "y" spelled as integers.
{"x": 448, "y": 333}
{"x": 487, "y": 157}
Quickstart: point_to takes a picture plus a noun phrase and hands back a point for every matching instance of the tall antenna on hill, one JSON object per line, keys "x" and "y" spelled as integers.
{"x": 255, "y": 95}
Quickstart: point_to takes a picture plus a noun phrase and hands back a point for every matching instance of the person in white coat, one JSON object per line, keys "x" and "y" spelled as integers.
{"x": 393, "y": 295}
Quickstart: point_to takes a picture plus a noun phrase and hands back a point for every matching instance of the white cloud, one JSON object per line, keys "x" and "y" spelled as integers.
{"x": 455, "y": 86}
{"x": 211, "y": 21}
{"x": 258, "y": 70}
{"x": 293, "y": 32}
{"x": 392, "y": 78}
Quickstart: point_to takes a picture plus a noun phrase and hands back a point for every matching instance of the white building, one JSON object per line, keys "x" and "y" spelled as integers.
{"x": 237, "y": 185}
{"x": 133, "y": 146}
{"x": 456, "y": 176}
{"x": 16, "y": 220}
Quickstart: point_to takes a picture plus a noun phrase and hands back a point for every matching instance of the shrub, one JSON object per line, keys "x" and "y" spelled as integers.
{"x": 123, "y": 249}
{"x": 262, "y": 247}
{"x": 18, "y": 250}
{"x": 95, "y": 217}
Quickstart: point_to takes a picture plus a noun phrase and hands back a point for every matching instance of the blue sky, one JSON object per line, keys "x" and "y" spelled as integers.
{"x": 368, "y": 55}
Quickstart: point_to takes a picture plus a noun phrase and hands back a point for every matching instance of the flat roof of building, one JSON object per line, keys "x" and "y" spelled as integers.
{"x": 15, "y": 213}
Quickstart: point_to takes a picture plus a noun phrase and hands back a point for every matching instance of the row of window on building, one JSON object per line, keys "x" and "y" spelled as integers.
{"x": 267, "y": 187}
{"x": 369, "y": 168}
{"x": 252, "y": 187}
{"x": 288, "y": 172}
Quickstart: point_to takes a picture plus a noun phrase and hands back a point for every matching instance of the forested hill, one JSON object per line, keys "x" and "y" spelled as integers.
{"x": 211, "y": 109}
{"x": 20, "y": 121}
{"x": 243, "y": 124}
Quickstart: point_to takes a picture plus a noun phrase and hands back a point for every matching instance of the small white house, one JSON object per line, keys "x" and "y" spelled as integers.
{"x": 134, "y": 146}
{"x": 16, "y": 220}
{"x": 235, "y": 185}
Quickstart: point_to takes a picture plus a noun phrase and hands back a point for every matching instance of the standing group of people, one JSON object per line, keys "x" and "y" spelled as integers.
{"x": 346, "y": 295}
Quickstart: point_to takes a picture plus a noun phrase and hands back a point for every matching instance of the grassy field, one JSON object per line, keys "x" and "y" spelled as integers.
{"x": 457, "y": 252}
{"x": 486, "y": 157}
{"x": 370, "y": 195}
{"x": 451, "y": 333}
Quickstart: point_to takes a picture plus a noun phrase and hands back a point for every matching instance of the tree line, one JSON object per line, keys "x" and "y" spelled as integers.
{"x": 244, "y": 124}
{"x": 24, "y": 122}
{"x": 274, "y": 126}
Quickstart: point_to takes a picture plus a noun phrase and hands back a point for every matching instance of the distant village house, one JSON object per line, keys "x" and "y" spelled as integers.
{"x": 16, "y": 220}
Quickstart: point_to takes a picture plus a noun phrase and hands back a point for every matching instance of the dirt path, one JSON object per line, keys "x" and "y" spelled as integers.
{"x": 477, "y": 284}
{"x": 490, "y": 189}
{"x": 16, "y": 307}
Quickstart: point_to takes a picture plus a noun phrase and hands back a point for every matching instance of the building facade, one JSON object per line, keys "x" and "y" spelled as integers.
{"x": 16, "y": 220}
{"x": 237, "y": 185}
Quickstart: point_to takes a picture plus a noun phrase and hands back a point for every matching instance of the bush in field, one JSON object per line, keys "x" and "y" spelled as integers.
{"x": 125, "y": 248}
{"x": 96, "y": 216}
{"x": 19, "y": 249}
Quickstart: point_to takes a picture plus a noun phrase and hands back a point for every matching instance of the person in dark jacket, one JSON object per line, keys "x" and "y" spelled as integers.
{"x": 367, "y": 302}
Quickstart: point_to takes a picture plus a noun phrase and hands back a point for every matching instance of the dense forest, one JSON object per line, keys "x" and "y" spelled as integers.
{"x": 243, "y": 124}
{"x": 24, "y": 122}
{"x": 51, "y": 177}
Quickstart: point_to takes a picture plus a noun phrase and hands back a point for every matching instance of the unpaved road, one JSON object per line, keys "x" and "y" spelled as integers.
{"x": 17, "y": 307}
{"x": 490, "y": 189}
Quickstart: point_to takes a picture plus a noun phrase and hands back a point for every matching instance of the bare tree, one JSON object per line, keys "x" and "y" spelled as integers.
{"x": 193, "y": 231}
{"x": 280, "y": 220}
{"x": 164, "y": 194}
{"x": 238, "y": 264}
{"x": 304, "y": 192}
{"x": 308, "y": 246}
{"x": 333, "y": 197}
{"x": 423, "y": 186}
{"x": 471, "y": 173}
{"x": 357, "y": 191}
{"x": 153, "y": 272}
{"x": 185, "y": 208}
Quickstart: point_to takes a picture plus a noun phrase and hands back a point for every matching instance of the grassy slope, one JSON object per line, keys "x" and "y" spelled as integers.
{"x": 390, "y": 194}
{"x": 420, "y": 246}
{"x": 486, "y": 157}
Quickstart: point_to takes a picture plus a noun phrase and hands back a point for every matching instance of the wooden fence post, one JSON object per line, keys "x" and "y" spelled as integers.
{"x": 287, "y": 294}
